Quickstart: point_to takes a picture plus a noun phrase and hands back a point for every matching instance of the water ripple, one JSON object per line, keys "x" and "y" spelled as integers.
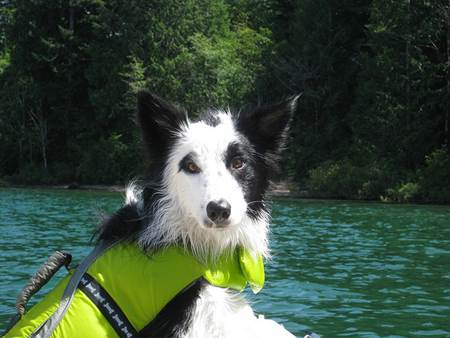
{"x": 341, "y": 269}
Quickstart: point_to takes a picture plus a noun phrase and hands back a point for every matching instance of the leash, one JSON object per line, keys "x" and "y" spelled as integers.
{"x": 38, "y": 280}
{"x": 46, "y": 329}
{"x": 41, "y": 277}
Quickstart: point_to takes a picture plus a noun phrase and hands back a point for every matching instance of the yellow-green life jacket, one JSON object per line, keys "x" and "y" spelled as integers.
{"x": 141, "y": 284}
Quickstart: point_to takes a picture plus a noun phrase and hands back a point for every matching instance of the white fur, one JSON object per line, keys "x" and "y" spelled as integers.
{"x": 214, "y": 182}
{"x": 181, "y": 212}
{"x": 133, "y": 195}
{"x": 222, "y": 314}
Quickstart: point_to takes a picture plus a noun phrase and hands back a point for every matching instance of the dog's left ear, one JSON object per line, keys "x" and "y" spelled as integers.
{"x": 267, "y": 126}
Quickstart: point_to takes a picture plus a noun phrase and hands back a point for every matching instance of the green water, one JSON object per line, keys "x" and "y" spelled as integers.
{"x": 341, "y": 269}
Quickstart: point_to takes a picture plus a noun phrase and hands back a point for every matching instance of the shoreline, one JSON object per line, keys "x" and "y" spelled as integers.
{"x": 280, "y": 190}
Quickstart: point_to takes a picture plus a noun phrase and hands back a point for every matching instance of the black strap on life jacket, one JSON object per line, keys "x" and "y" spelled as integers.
{"x": 168, "y": 323}
{"x": 171, "y": 320}
{"x": 107, "y": 306}
{"x": 176, "y": 314}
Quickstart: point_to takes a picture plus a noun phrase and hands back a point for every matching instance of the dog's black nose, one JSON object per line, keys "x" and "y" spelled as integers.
{"x": 218, "y": 211}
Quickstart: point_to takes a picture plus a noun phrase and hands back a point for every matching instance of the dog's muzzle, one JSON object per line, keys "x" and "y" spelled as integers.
{"x": 219, "y": 212}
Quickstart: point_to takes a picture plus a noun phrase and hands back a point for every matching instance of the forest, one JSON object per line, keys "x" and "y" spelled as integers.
{"x": 372, "y": 122}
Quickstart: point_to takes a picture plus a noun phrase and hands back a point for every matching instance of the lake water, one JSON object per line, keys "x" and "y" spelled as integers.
{"x": 341, "y": 269}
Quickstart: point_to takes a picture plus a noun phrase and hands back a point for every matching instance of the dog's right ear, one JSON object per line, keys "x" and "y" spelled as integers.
{"x": 159, "y": 121}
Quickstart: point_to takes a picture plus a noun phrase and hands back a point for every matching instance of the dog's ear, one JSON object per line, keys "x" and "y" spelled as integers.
{"x": 267, "y": 126}
{"x": 159, "y": 121}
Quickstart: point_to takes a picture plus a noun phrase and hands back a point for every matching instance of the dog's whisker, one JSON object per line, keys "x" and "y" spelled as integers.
{"x": 252, "y": 202}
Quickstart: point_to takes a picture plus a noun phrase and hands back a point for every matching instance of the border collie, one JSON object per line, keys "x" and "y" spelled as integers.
{"x": 204, "y": 190}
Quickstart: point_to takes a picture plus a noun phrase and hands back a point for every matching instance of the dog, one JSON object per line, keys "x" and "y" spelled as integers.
{"x": 203, "y": 194}
{"x": 204, "y": 190}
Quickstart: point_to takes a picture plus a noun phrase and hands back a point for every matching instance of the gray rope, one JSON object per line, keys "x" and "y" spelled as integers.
{"x": 41, "y": 277}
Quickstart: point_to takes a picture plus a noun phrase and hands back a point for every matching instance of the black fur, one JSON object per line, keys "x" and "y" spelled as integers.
{"x": 266, "y": 127}
{"x": 264, "y": 132}
{"x": 175, "y": 317}
{"x": 250, "y": 176}
{"x": 159, "y": 121}
{"x": 125, "y": 224}
{"x": 184, "y": 163}
{"x": 210, "y": 118}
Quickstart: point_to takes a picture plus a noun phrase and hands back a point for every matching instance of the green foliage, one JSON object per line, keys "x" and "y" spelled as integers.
{"x": 317, "y": 57}
{"x": 343, "y": 179}
{"x": 229, "y": 64}
{"x": 62, "y": 172}
{"x": 107, "y": 161}
{"x": 212, "y": 66}
{"x": 406, "y": 192}
{"x": 374, "y": 78}
{"x": 401, "y": 88}
{"x": 330, "y": 180}
{"x": 434, "y": 178}
{"x": 31, "y": 174}
{"x": 3, "y": 183}
{"x": 71, "y": 71}
{"x": 4, "y": 61}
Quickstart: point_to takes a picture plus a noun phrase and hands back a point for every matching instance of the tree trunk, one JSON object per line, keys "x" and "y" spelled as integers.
{"x": 71, "y": 17}
{"x": 30, "y": 144}
{"x": 408, "y": 67}
{"x": 447, "y": 113}
{"x": 41, "y": 126}
{"x": 44, "y": 145}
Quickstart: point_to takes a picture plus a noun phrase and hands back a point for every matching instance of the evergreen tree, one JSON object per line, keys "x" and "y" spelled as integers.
{"x": 373, "y": 119}
{"x": 319, "y": 58}
{"x": 401, "y": 103}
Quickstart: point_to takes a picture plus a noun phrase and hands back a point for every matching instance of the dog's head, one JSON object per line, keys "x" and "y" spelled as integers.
{"x": 212, "y": 172}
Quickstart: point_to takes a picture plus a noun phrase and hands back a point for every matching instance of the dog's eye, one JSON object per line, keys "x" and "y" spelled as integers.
{"x": 192, "y": 168}
{"x": 187, "y": 164}
{"x": 237, "y": 163}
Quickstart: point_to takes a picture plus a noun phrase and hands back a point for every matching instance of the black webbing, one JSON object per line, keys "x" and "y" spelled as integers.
{"x": 107, "y": 306}
{"x": 174, "y": 316}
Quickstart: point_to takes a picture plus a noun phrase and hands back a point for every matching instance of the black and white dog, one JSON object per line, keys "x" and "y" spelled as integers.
{"x": 205, "y": 190}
